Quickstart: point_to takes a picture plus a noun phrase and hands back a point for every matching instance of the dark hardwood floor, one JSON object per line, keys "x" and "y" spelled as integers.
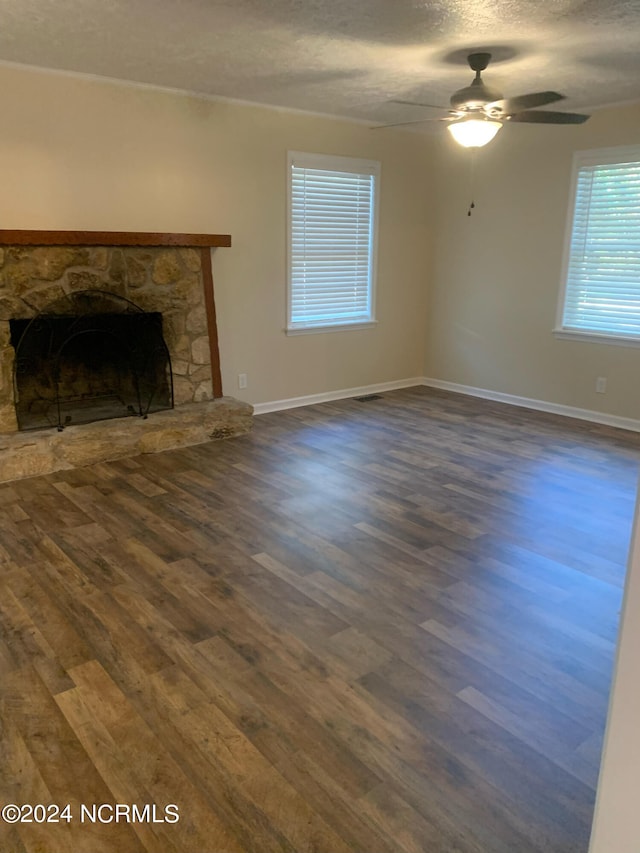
{"x": 384, "y": 627}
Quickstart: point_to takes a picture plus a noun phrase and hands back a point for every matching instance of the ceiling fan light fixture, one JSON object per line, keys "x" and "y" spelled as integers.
{"x": 474, "y": 132}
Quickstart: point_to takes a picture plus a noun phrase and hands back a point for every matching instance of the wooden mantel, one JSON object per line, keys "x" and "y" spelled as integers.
{"x": 204, "y": 242}
{"x": 111, "y": 238}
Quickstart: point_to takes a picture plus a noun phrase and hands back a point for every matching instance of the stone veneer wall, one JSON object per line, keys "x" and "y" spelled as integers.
{"x": 156, "y": 279}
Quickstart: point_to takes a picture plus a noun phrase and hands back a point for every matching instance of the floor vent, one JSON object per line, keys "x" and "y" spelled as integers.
{"x": 368, "y": 397}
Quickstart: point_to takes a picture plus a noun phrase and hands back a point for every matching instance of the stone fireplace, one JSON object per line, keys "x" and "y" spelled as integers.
{"x": 98, "y": 331}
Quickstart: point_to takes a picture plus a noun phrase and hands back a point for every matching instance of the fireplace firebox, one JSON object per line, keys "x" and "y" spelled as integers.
{"x": 90, "y": 356}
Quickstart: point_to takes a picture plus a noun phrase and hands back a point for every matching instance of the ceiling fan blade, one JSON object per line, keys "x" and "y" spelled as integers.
{"x": 418, "y": 104}
{"x": 548, "y": 117}
{"x": 508, "y": 106}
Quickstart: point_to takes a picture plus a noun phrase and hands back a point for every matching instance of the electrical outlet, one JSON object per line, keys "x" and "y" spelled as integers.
{"x": 242, "y": 380}
{"x": 601, "y": 384}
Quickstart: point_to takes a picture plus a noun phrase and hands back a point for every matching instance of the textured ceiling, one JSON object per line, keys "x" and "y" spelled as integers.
{"x": 340, "y": 57}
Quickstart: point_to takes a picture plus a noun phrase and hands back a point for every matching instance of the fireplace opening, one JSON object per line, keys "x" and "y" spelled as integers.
{"x": 90, "y": 356}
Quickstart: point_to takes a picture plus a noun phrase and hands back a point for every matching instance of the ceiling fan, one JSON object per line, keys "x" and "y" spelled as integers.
{"x": 478, "y": 112}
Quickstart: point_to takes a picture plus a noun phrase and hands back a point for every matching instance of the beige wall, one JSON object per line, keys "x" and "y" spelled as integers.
{"x": 82, "y": 154}
{"x": 496, "y": 274}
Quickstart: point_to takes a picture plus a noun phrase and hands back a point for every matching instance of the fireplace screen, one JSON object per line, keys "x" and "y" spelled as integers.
{"x": 90, "y": 356}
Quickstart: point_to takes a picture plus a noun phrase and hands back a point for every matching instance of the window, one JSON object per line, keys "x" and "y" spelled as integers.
{"x": 601, "y": 293}
{"x": 332, "y": 241}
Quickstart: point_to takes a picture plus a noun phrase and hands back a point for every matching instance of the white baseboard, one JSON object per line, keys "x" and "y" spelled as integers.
{"x": 510, "y": 399}
{"x": 328, "y": 396}
{"x": 539, "y": 405}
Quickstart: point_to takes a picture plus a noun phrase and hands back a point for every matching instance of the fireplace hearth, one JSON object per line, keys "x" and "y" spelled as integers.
{"x": 92, "y": 355}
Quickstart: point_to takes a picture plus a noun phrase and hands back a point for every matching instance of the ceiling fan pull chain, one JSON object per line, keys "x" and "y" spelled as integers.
{"x": 471, "y": 207}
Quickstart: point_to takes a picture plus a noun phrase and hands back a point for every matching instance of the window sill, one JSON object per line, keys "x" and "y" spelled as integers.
{"x": 341, "y": 327}
{"x": 596, "y": 338}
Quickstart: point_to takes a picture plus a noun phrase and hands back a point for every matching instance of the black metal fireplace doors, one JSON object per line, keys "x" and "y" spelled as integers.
{"x": 89, "y": 356}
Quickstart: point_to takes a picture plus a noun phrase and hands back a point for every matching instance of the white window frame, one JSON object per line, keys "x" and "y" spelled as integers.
{"x": 581, "y": 160}
{"x": 339, "y": 164}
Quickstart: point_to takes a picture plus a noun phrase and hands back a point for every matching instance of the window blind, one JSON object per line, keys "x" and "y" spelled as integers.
{"x": 331, "y": 246}
{"x": 602, "y": 293}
